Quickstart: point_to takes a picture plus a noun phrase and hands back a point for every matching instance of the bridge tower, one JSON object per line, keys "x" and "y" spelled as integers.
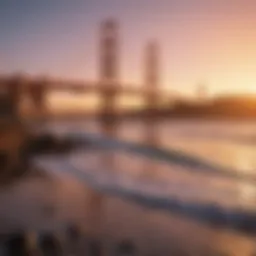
{"x": 151, "y": 83}
{"x": 108, "y": 65}
{"x": 108, "y": 75}
{"x": 108, "y": 87}
{"x": 108, "y": 68}
{"x": 109, "y": 52}
{"x": 152, "y": 71}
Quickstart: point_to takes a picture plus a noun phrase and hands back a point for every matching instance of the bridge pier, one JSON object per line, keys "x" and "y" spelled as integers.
{"x": 11, "y": 96}
{"x": 38, "y": 96}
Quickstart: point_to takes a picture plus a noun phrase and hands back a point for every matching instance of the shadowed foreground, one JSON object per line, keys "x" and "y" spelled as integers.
{"x": 52, "y": 204}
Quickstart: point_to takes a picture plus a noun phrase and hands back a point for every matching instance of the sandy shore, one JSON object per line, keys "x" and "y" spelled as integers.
{"x": 47, "y": 203}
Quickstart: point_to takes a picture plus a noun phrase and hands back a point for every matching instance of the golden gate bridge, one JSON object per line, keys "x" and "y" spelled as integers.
{"x": 108, "y": 86}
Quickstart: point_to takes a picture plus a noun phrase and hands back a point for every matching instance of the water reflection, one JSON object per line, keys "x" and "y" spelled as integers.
{"x": 172, "y": 181}
{"x": 116, "y": 214}
{"x": 196, "y": 138}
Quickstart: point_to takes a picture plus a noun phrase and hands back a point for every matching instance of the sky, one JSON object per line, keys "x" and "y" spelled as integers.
{"x": 211, "y": 42}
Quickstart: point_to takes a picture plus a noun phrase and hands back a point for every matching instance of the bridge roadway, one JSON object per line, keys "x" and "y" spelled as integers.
{"x": 45, "y": 84}
{"x": 88, "y": 87}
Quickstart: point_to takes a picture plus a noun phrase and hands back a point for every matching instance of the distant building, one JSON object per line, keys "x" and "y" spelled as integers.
{"x": 201, "y": 91}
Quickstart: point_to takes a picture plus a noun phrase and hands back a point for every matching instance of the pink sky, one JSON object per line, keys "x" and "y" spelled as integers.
{"x": 202, "y": 41}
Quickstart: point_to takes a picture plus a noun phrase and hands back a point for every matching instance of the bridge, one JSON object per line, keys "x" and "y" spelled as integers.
{"x": 108, "y": 86}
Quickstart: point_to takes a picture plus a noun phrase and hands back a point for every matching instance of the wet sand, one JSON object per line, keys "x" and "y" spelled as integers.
{"x": 52, "y": 203}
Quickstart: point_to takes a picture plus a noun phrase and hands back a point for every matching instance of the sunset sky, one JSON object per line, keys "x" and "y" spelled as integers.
{"x": 202, "y": 41}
